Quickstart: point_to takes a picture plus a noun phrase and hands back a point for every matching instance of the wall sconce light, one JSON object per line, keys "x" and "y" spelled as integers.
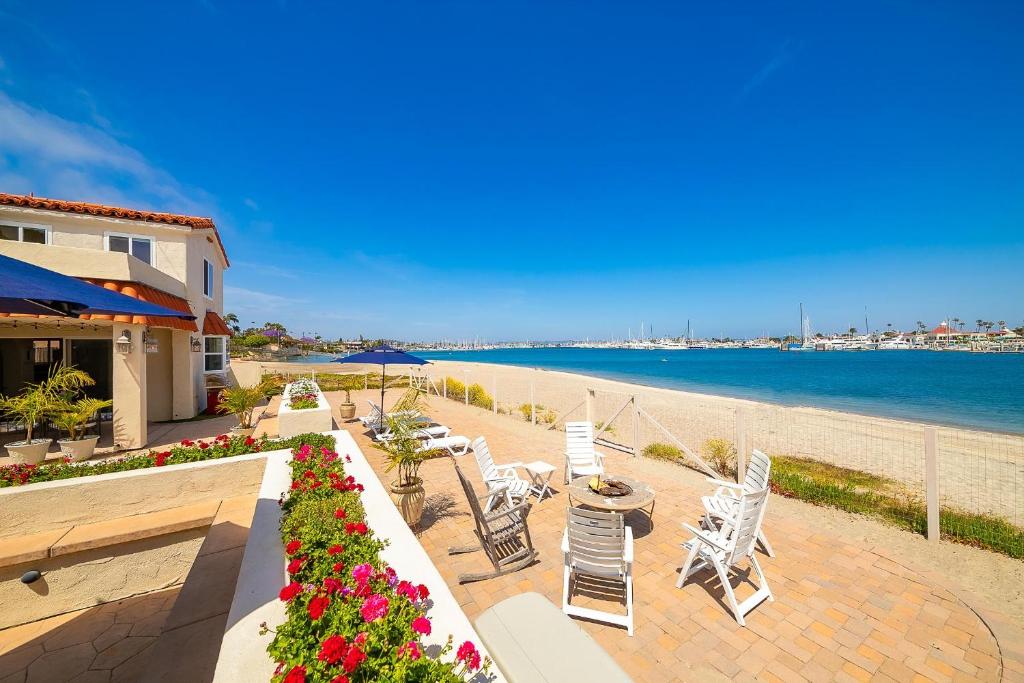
{"x": 196, "y": 347}
{"x": 150, "y": 343}
{"x": 124, "y": 342}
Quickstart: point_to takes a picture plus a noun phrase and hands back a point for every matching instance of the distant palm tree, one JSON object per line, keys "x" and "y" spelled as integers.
{"x": 921, "y": 327}
{"x": 853, "y": 330}
{"x": 1002, "y": 324}
{"x": 978, "y": 322}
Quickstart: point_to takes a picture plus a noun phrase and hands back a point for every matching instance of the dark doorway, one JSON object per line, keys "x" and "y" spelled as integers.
{"x": 95, "y": 356}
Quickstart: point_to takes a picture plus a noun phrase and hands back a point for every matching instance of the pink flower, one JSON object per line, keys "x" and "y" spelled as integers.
{"x": 421, "y": 625}
{"x": 467, "y": 654}
{"x": 362, "y": 573}
{"x": 412, "y": 649}
{"x": 374, "y": 607}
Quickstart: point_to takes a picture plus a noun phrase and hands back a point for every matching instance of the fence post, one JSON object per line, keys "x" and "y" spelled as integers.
{"x": 931, "y": 481}
{"x": 590, "y": 407}
{"x": 494, "y": 395}
{"x": 444, "y": 385}
{"x": 366, "y": 381}
{"x": 636, "y": 428}
{"x": 741, "y": 446}
{"x": 533, "y": 407}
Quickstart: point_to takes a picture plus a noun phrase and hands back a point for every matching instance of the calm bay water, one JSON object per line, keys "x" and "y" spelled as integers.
{"x": 981, "y": 391}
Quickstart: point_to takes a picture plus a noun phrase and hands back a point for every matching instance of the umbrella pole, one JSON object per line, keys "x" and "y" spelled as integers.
{"x": 382, "y": 369}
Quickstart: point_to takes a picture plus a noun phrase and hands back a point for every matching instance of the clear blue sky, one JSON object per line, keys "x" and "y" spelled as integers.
{"x": 547, "y": 170}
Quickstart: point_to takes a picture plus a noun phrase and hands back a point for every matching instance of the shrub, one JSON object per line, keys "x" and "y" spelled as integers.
{"x": 456, "y": 389}
{"x": 349, "y": 616}
{"x": 479, "y": 397}
{"x": 663, "y": 451}
{"x": 527, "y": 411}
{"x": 548, "y": 417}
{"x": 600, "y": 425}
{"x": 721, "y": 455}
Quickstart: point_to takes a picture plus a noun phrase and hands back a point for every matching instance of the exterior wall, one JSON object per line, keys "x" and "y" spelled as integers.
{"x": 160, "y": 378}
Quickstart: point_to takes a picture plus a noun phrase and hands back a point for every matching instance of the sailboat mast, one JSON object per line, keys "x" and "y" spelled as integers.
{"x": 803, "y": 331}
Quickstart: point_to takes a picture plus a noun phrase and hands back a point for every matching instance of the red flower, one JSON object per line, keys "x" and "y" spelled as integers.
{"x": 422, "y": 590}
{"x": 360, "y": 639}
{"x": 296, "y": 675}
{"x": 203, "y": 445}
{"x": 331, "y": 585}
{"x": 296, "y": 565}
{"x": 161, "y": 458}
{"x": 332, "y": 650}
{"x": 293, "y": 546}
{"x": 317, "y": 606}
{"x": 338, "y": 566}
{"x": 186, "y": 442}
{"x": 340, "y": 678}
{"x": 412, "y": 648}
{"x": 353, "y": 658}
{"x": 467, "y": 653}
{"x": 374, "y": 607}
{"x": 421, "y": 625}
{"x": 406, "y": 590}
{"x": 335, "y": 549}
{"x": 249, "y": 441}
{"x": 308, "y": 474}
{"x": 290, "y": 591}
{"x": 339, "y": 514}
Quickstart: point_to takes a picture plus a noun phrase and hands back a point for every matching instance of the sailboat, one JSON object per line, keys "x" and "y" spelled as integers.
{"x": 806, "y": 339}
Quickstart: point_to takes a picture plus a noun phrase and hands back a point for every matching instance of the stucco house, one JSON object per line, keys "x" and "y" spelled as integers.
{"x": 173, "y": 260}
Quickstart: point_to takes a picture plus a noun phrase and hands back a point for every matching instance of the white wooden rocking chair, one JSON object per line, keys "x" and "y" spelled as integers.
{"x": 723, "y": 503}
{"x": 723, "y": 548}
{"x": 598, "y": 546}
{"x": 502, "y": 481}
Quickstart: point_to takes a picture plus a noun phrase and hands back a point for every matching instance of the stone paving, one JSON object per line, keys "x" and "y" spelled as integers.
{"x": 843, "y": 611}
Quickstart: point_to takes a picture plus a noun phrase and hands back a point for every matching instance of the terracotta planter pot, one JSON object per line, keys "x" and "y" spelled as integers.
{"x": 242, "y": 431}
{"x": 347, "y": 410}
{"x": 78, "y": 449}
{"x": 28, "y": 452}
{"x": 409, "y": 500}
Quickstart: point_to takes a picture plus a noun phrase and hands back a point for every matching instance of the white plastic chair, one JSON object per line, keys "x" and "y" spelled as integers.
{"x": 581, "y": 459}
{"x": 723, "y": 548}
{"x": 501, "y": 480}
{"x": 598, "y": 546}
{"x": 725, "y": 501}
{"x": 455, "y": 445}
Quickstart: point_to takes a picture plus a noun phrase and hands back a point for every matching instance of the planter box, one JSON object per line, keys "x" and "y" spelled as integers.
{"x": 243, "y": 652}
{"x": 292, "y": 422}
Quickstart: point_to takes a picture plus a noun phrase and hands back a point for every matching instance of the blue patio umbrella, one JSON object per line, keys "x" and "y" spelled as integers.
{"x": 383, "y": 356}
{"x": 27, "y": 288}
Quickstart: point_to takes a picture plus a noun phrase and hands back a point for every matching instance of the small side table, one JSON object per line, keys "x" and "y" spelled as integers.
{"x": 540, "y": 472}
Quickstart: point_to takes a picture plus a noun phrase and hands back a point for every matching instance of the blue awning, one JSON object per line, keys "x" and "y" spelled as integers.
{"x": 27, "y": 288}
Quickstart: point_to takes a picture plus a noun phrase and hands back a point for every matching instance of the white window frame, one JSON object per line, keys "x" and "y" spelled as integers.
{"x": 21, "y": 230}
{"x": 225, "y": 354}
{"x": 132, "y": 236}
{"x": 208, "y": 268}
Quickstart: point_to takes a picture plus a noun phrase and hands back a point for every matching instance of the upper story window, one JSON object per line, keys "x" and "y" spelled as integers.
{"x": 138, "y": 246}
{"x": 24, "y": 232}
{"x": 207, "y": 279}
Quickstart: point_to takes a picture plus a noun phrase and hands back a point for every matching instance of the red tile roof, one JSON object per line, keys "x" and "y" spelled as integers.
{"x": 33, "y": 202}
{"x": 153, "y": 295}
{"x": 215, "y": 325}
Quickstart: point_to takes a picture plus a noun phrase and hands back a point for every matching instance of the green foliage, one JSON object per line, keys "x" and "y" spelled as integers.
{"x": 252, "y": 341}
{"x": 607, "y": 430}
{"x": 73, "y": 416}
{"x": 242, "y": 401}
{"x": 868, "y": 494}
{"x": 664, "y": 451}
{"x": 479, "y": 397}
{"x": 403, "y": 446}
{"x": 528, "y": 412}
{"x": 721, "y": 455}
{"x": 48, "y": 398}
{"x": 348, "y": 614}
{"x": 330, "y": 381}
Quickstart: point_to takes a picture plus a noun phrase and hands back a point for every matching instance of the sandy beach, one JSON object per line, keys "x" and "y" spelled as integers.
{"x": 978, "y": 471}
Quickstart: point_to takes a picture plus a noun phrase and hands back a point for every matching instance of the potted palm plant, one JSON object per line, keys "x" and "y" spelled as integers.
{"x": 349, "y": 383}
{"x": 242, "y": 401}
{"x": 405, "y": 455}
{"x": 37, "y": 401}
{"x": 73, "y": 418}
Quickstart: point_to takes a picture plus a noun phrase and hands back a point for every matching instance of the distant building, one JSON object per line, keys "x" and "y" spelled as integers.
{"x": 174, "y": 260}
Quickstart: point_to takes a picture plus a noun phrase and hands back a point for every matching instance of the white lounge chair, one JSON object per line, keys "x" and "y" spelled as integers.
{"x": 501, "y": 480}
{"x": 382, "y": 432}
{"x": 598, "y": 546}
{"x": 581, "y": 459}
{"x": 726, "y": 499}
{"x": 375, "y": 415}
{"x": 455, "y": 445}
{"x": 723, "y": 548}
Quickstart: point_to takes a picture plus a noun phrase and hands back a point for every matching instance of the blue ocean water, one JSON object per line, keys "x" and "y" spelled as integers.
{"x": 979, "y": 391}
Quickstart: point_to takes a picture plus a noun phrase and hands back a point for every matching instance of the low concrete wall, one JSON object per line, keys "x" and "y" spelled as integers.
{"x": 56, "y": 504}
{"x": 292, "y": 422}
{"x": 243, "y": 654}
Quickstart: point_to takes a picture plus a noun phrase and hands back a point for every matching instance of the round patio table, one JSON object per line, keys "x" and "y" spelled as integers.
{"x": 639, "y": 499}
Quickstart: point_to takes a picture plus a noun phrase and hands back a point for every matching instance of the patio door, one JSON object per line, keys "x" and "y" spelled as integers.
{"x": 95, "y": 356}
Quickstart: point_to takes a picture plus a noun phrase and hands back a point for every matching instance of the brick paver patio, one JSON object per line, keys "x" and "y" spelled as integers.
{"x": 842, "y": 610}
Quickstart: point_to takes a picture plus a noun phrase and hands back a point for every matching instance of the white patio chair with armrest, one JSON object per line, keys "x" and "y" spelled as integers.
{"x": 722, "y": 505}
{"x": 581, "y": 458}
{"x": 502, "y": 481}
{"x": 598, "y": 545}
{"x": 723, "y": 548}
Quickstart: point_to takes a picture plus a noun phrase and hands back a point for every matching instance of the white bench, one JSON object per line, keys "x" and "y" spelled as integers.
{"x": 530, "y": 640}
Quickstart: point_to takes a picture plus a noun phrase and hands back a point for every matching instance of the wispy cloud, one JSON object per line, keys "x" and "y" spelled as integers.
{"x": 782, "y": 57}
{"x": 251, "y": 203}
{"x": 242, "y": 300}
{"x": 266, "y": 269}
{"x": 54, "y": 156}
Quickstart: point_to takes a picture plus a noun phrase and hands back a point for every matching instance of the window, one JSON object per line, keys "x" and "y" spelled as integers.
{"x": 207, "y": 279}
{"x": 20, "y": 232}
{"x": 139, "y": 247}
{"x": 215, "y": 354}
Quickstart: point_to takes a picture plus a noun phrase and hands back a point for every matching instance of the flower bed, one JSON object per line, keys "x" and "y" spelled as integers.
{"x": 302, "y": 401}
{"x": 349, "y": 616}
{"x": 222, "y": 446}
{"x": 304, "y": 409}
